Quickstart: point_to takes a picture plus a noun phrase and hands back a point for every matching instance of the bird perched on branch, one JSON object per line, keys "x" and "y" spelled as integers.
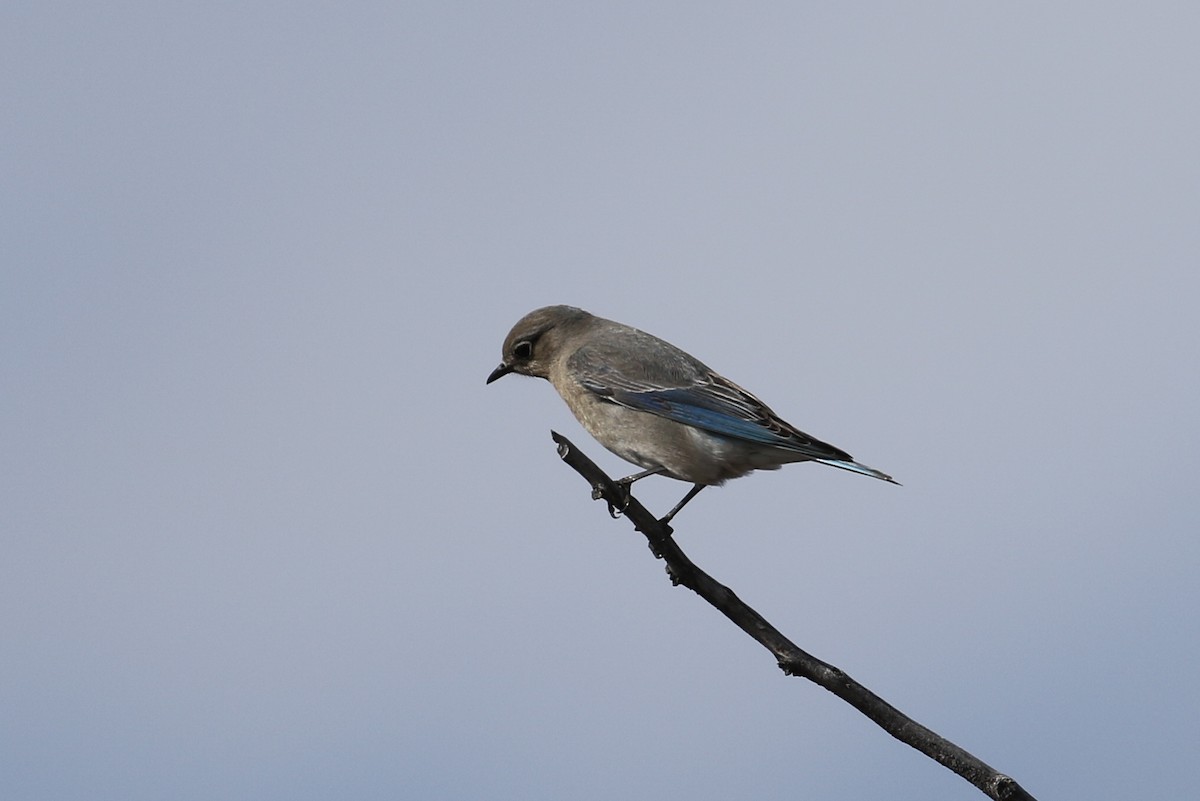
{"x": 656, "y": 406}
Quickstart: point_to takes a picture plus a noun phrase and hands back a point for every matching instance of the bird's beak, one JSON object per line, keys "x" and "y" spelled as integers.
{"x": 500, "y": 372}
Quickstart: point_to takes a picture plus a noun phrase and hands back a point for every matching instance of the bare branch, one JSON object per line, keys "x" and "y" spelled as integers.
{"x": 791, "y": 658}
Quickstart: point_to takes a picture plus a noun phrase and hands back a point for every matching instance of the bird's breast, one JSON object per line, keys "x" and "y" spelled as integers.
{"x": 653, "y": 442}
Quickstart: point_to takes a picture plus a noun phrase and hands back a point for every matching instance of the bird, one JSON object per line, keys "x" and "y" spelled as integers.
{"x": 657, "y": 406}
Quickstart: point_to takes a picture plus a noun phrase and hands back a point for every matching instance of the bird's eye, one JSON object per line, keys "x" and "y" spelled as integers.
{"x": 523, "y": 349}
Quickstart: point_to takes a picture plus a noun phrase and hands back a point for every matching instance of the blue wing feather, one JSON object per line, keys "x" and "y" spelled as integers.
{"x": 682, "y": 389}
{"x": 695, "y": 407}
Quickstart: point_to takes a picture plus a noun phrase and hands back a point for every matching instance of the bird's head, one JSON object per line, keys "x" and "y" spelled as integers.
{"x": 534, "y": 341}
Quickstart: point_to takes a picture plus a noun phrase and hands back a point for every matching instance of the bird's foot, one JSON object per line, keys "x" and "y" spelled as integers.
{"x": 614, "y": 510}
{"x": 659, "y": 539}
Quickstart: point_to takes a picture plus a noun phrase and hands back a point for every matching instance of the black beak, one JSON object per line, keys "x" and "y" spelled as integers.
{"x": 499, "y": 372}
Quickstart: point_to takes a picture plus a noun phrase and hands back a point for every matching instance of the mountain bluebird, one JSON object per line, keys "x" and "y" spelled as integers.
{"x": 654, "y": 405}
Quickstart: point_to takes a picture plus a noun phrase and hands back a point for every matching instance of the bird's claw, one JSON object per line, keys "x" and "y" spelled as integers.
{"x": 613, "y": 510}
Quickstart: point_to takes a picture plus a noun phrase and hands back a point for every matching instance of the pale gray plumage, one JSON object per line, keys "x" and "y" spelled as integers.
{"x": 656, "y": 406}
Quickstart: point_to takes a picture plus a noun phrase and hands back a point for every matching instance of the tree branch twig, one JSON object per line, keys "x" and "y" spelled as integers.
{"x": 793, "y": 661}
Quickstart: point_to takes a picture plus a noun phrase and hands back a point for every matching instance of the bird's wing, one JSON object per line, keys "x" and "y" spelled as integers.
{"x": 687, "y": 392}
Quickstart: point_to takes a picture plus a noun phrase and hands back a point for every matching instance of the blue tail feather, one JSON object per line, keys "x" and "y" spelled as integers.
{"x": 855, "y": 467}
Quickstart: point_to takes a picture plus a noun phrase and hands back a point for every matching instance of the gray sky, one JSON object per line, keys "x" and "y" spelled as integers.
{"x": 266, "y": 533}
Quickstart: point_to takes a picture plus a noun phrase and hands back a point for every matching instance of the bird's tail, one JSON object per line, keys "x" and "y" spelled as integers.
{"x": 855, "y": 467}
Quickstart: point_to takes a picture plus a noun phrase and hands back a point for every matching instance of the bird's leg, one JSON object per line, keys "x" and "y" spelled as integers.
{"x": 627, "y": 482}
{"x": 692, "y": 493}
{"x": 624, "y": 484}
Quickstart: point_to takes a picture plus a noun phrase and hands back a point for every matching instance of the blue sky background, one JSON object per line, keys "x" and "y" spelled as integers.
{"x": 266, "y": 534}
